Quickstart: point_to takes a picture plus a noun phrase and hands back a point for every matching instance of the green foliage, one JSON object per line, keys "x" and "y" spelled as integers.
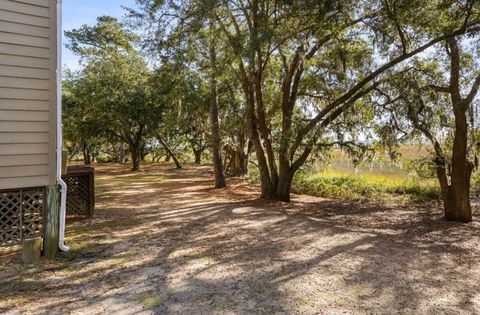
{"x": 112, "y": 94}
{"x": 422, "y": 167}
{"x": 109, "y": 34}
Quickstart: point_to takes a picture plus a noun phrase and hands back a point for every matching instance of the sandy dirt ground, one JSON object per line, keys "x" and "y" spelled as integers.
{"x": 164, "y": 242}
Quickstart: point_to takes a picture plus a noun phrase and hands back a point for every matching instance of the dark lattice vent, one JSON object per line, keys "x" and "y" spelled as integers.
{"x": 21, "y": 215}
{"x": 80, "y": 192}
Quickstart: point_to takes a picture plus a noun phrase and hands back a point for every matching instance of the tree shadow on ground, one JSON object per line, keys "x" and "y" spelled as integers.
{"x": 184, "y": 248}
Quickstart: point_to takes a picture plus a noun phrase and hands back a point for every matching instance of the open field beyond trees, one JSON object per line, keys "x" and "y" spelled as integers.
{"x": 163, "y": 241}
{"x": 378, "y": 180}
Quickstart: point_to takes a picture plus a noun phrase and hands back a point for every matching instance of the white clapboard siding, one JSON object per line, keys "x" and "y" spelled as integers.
{"x": 20, "y": 182}
{"x": 22, "y": 148}
{"x": 24, "y": 83}
{"x": 24, "y": 72}
{"x": 24, "y": 126}
{"x": 24, "y": 50}
{"x": 40, "y": 3}
{"x": 19, "y": 115}
{"x": 23, "y": 40}
{"x": 24, "y": 170}
{"x": 24, "y": 8}
{"x": 26, "y": 19}
{"x": 23, "y": 29}
{"x": 27, "y": 93}
{"x": 21, "y": 160}
{"x": 26, "y": 62}
{"x": 24, "y": 137}
{"x": 26, "y": 105}
{"x": 24, "y": 94}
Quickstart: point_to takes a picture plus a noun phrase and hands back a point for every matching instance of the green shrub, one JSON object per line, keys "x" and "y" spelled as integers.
{"x": 423, "y": 167}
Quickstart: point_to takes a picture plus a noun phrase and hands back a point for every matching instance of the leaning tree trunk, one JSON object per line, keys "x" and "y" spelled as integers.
{"x": 168, "y": 157}
{"x": 442, "y": 176}
{"x": 266, "y": 186}
{"x": 170, "y": 153}
{"x": 457, "y": 206}
{"x": 220, "y": 180}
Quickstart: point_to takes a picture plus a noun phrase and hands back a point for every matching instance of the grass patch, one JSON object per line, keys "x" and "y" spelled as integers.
{"x": 150, "y": 301}
{"x": 360, "y": 186}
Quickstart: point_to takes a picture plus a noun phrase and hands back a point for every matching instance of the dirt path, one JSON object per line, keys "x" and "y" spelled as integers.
{"x": 163, "y": 242}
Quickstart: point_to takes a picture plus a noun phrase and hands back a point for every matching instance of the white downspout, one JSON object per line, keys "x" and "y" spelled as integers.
{"x": 63, "y": 191}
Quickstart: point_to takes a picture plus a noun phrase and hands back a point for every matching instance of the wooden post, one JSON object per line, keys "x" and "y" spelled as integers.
{"x": 52, "y": 212}
{"x": 31, "y": 250}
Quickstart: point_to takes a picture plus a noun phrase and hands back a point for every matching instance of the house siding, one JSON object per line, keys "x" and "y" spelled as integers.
{"x": 28, "y": 61}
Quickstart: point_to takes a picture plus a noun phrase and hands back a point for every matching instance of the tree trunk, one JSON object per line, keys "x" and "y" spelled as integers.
{"x": 86, "y": 154}
{"x": 121, "y": 154}
{"x": 176, "y": 161}
{"x": 456, "y": 194}
{"x": 170, "y": 153}
{"x": 168, "y": 157}
{"x": 239, "y": 164}
{"x": 457, "y": 207}
{"x": 266, "y": 186}
{"x": 284, "y": 185}
{"x": 242, "y": 163}
{"x": 241, "y": 156}
{"x": 220, "y": 180}
{"x": 135, "y": 156}
{"x": 198, "y": 156}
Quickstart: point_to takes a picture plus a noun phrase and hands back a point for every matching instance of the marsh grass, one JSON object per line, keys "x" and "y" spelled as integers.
{"x": 378, "y": 181}
{"x": 362, "y": 186}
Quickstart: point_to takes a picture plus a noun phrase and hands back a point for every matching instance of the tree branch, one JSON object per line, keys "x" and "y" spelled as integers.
{"x": 473, "y": 92}
{"x": 346, "y": 96}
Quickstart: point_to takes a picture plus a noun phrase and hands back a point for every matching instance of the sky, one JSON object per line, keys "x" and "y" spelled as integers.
{"x": 79, "y": 12}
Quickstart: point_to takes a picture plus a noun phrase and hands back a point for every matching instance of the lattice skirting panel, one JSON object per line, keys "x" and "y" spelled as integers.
{"x": 21, "y": 215}
{"x": 80, "y": 192}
